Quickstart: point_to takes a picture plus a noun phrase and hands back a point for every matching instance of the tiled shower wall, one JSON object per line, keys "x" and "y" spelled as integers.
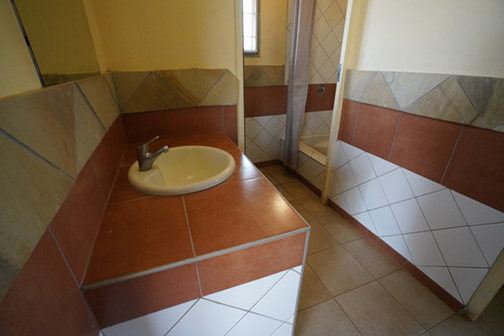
{"x": 432, "y": 190}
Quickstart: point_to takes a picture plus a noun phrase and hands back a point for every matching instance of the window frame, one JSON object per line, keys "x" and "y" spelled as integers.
{"x": 258, "y": 30}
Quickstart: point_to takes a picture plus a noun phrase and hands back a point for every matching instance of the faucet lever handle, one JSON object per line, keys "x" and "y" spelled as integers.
{"x": 144, "y": 148}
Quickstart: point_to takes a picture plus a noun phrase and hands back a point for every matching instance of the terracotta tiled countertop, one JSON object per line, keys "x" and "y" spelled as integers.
{"x": 141, "y": 233}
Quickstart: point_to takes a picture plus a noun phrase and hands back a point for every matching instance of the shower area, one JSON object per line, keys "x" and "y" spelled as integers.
{"x": 266, "y": 78}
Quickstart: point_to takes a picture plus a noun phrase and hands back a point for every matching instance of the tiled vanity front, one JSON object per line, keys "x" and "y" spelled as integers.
{"x": 239, "y": 244}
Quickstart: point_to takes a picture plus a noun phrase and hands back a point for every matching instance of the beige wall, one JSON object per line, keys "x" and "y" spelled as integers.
{"x": 159, "y": 34}
{"x": 272, "y": 34}
{"x": 463, "y": 37}
{"x": 17, "y": 73}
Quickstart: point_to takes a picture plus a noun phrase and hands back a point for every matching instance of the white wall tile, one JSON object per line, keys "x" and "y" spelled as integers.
{"x": 373, "y": 195}
{"x": 490, "y": 239}
{"x": 341, "y": 202}
{"x": 475, "y": 212}
{"x": 395, "y": 186}
{"x": 253, "y": 151}
{"x": 255, "y": 325}
{"x": 441, "y": 211}
{"x": 345, "y": 177}
{"x": 252, "y": 128}
{"x": 397, "y": 243}
{"x": 273, "y": 150}
{"x": 384, "y": 222}
{"x": 459, "y": 248}
{"x": 264, "y": 120}
{"x": 274, "y": 127}
{"x": 351, "y": 151}
{"x": 333, "y": 14}
{"x": 207, "y": 318}
{"x": 354, "y": 201}
{"x": 420, "y": 185}
{"x": 334, "y": 187}
{"x": 155, "y": 324}
{"x": 467, "y": 280}
{"x": 339, "y": 157}
{"x": 423, "y": 249}
{"x": 291, "y": 319}
{"x": 365, "y": 219}
{"x": 285, "y": 330}
{"x": 280, "y": 301}
{"x": 409, "y": 216}
{"x": 263, "y": 139}
{"x": 443, "y": 278}
{"x": 246, "y": 295}
{"x": 307, "y": 170}
{"x": 298, "y": 269}
{"x": 381, "y": 166}
{"x": 362, "y": 169}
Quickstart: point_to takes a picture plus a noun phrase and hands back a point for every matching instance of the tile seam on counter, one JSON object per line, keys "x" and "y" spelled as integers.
{"x": 195, "y": 259}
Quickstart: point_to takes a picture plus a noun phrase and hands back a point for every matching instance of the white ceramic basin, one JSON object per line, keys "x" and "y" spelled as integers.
{"x": 183, "y": 170}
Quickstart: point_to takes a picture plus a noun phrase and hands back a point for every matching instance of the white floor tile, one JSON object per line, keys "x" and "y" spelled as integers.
{"x": 362, "y": 169}
{"x": 280, "y": 301}
{"x": 355, "y": 201}
{"x": 255, "y": 325}
{"x": 365, "y": 219}
{"x": 207, "y": 318}
{"x": 396, "y": 186}
{"x": 384, "y": 222}
{"x": 467, "y": 280}
{"x": 421, "y": 185}
{"x": 373, "y": 194}
{"x": 443, "y": 278}
{"x": 381, "y": 166}
{"x": 246, "y": 295}
{"x": 284, "y": 330}
{"x": 345, "y": 177}
{"x": 441, "y": 211}
{"x": 423, "y": 249}
{"x": 459, "y": 248}
{"x": 351, "y": 151}
{"x": 409, "y": 216}
{"x": 477, "y": 213}
{"x": 398, "y": 244}
{"x": 490, "y": 239}
{"x": 155, "y": 324}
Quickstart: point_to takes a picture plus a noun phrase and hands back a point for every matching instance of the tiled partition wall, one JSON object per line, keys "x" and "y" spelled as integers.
{"x": 432, "y": 190}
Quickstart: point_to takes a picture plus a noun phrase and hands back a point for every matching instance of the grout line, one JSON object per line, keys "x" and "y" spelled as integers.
{"x": 199, "y": 281}
{"x": 63, "y": 256}
{"x": 452, "y": 153}
{"x": 344, "y": 312}
{"x": 180, "y": 319}
{"x": 188, "y": 226}
{"x": 425, "y": 94}
{"x": 134, "y": 92}
{"x": 91, "y": 107}
{"x": 395, "y": 136}
{"x": 269, "y": 290}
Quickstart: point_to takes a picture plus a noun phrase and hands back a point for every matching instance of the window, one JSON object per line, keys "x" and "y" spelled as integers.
{"x": 250, "y": 27}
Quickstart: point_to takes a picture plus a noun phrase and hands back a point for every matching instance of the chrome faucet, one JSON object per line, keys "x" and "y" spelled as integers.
{"x": 146, "y": 159}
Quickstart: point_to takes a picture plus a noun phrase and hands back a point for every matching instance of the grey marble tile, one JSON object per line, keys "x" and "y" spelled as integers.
{"x": 256, "y": 77}
{"x": 110, "y": 82}
{"x": 126, "y": 84}
{"x": 447, "y": 102}
{"x": 155, "y": 94}
{"x": 275, "y": 72}
{"x": 499, "y": 128}
{"x": 408, "y": 87}
{"x": 224, "y": 92}
{"x": 479, "y": 122}
{"x": 377, "y": 92}
{"x": 99, "y": 96}
{"x": 9, "y": 274}
{"x": 31, "y": 191}
{"x": 44, "y": 122}
{"x": 355, "y": 81}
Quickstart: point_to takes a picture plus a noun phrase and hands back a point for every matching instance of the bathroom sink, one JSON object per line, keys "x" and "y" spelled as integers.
{"x": 183, "y": 170}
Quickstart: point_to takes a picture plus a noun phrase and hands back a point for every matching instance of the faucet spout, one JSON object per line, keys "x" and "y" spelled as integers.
{"x": 146, "y": 159}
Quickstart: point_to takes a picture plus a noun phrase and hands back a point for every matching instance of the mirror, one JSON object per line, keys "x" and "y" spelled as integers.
{"x": 60, "y": 39}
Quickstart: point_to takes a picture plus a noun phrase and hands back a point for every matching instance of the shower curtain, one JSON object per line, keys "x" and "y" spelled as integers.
{"x": 303, "y": 18}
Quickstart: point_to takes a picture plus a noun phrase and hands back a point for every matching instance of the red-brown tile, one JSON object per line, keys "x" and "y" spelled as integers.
{"x": 245, "y": 170}
{"x": 220, "y": 141}
{"x": 130, "y": 155}
{"x": 195, "y": 121}
{"x": 320, "y": 102}
{"x": 375, "y": 129}
{"x": 137, "y": 297}
{"x": 236, "y": 268}
{"x": 271, "y": 100}
{"x": 122, "y": 191}
{"x": 44, "y": 299}
{"x": 477, "y": 166}
{"x": 424, "y": 145}
{"x": 250, "y": 98}
{"x": 139, "y": 235}
{"x": 231, "y": 214}
{"x": 118, "y": 138}
{"x": 231, "y": 123}
{"x": 140, "y": 127}
{"x": 437, "y": 290}
{"x": 105, "y": 164}
{"x": 349, "y": 112}
{"x": 77, "y": 221}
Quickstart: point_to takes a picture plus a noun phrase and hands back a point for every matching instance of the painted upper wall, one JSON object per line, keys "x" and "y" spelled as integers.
{"x": 273, "y": 17}
{"x": 158, "y": 34}
{"x": 17, "y": 72}
{"x": 463, "y": 37}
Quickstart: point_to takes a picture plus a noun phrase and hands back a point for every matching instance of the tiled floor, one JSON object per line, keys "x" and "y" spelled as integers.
{"x": 350, "y": 287}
